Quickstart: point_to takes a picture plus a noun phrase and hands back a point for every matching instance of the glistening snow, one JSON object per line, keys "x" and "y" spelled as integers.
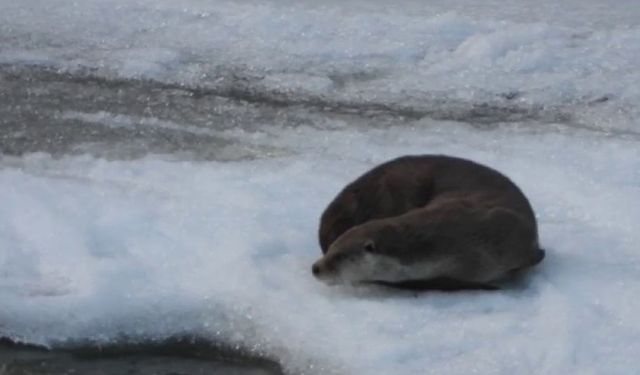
{"x": 97, "y": 250}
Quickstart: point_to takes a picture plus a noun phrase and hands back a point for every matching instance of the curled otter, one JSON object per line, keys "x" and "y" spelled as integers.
{"x": 428, "y": 222}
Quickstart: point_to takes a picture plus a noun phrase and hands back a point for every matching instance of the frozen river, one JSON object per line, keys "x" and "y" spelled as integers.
{"x": 163, "y": 166}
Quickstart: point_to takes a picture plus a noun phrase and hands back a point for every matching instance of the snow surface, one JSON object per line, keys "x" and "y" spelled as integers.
{"x": 579, "y": 57}
{"x": 100, "y": 250}
{"x": 103, "y": 251}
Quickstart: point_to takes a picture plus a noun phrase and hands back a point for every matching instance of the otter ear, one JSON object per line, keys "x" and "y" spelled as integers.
{"x": 369, "y": 246}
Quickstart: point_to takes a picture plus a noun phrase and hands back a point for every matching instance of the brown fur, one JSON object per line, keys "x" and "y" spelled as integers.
{"x": 418, "y": 208}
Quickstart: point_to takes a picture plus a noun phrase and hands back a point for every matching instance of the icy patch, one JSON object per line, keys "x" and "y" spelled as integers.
{"x": 149, "y": 62}
{"x": 110, "y": 120}
{"x": 576, "y": 56}
{"x": 299, "y": 83}
{"x": 104, "y": 250}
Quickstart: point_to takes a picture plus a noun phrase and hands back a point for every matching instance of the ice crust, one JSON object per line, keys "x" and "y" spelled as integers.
{"x": 579, "y": 57}
{"x": 107, "y": 251}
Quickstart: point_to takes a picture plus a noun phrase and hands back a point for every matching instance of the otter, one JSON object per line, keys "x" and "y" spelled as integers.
{"x": 428, "y": 222}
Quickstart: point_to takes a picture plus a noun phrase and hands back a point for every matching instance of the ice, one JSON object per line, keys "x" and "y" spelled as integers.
{"x": 573, "y": 57}
{"x": 96, "y": 250}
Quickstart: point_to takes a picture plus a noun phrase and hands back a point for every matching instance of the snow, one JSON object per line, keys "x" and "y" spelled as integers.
{"x": 99, "y": 251}
{"x": 573, "y": 57}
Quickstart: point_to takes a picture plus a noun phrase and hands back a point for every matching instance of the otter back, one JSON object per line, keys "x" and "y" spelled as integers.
{"x": 435, "y": 220}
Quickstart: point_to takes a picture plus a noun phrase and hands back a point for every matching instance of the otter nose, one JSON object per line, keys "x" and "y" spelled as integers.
{"x": 315, "y": 269}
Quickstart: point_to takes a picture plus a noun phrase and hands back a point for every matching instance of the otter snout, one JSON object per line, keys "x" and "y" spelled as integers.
{"x": 315, "y": 269}
{"x": 318, "y": 269}
{"x": 322, "y": 270}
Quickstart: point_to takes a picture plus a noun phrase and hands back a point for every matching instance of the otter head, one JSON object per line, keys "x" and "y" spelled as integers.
{"x": 365, "y": 253}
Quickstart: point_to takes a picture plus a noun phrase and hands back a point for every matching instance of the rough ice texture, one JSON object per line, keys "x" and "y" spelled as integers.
{"x": 577, "y": 57}
{"x": 101, "y": 250}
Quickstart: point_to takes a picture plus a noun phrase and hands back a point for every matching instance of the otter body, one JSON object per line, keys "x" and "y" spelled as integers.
{"x": 428, "y": 221}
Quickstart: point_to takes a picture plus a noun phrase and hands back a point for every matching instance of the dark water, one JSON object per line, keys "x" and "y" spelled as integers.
{"x": 171, "y": 357}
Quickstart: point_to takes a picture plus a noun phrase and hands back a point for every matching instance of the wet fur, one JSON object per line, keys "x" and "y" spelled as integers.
{"x": 467, "y": 214}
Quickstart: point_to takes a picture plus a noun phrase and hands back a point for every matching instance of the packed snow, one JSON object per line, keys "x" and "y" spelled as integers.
{"x": 576, "y": 57}
{"x": 101, "y": 251}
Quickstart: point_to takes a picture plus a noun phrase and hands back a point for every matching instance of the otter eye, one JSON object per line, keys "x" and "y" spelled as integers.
{"x": 369, "y": 246}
